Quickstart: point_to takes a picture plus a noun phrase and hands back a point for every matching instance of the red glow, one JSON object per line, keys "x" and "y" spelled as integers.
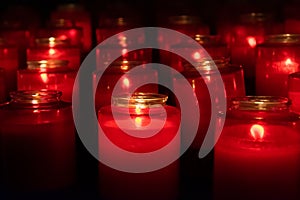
{"x": 257, "y": 131}
{"x": 51, "y": 52}
{"x": 196, "y": 56}
{"x": 72, "y": 32}
{"x": 251, "y": 41}
{"x": 44, "y": 77}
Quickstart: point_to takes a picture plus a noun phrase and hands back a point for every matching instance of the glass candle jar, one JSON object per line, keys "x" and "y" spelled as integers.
{"x": 37, "y": 143}
{"x": 258, "y": 153}
{"x": 159, "y": 184}
{"x": 294, "y": 91}
{"x": 53, "y": 48}
{"x": 233, "y": 80}
{"x": 120, "y": 71}
{"x": 277, "y": 57}
{"x": 245, "y": 36}
{"x": 81, "y": 18}
{"x": 9, "y": 62}
{"x": 48, "y": 74}
{"x": 62, "y": 29}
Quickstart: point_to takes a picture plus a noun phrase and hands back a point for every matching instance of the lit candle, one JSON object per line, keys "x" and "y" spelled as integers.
{"x": 277, "y": 57}
{"x": 48, "y": 74}
{"x": 159, "y": 184}
{"x": 121, "y": 70}
{"x": 53, "y": 48}
{"x": 294, "y": 91}
{"x": 258, "y": 153}
{"x": 37, "y": 143}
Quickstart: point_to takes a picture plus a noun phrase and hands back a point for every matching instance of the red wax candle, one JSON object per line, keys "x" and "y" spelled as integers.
{"x": 258, "y": 153}
{"x": 121, "y": 71}
{"x": 37, "y": 142}
{"x": 9, "y": 63}
{"x": 277, "y": 57}
{"x": 55, "y": 49}
{"x": 63, "y": 29}
{"x": 162, "y": 183}
{"x": 2, "y": 87}
{"x": 233, "y": 83}
{"x": 294, "y": 91}
{"x": 245, "y": 36}
{"x": 81, "y": 18}
{"x": 48, "y": 74}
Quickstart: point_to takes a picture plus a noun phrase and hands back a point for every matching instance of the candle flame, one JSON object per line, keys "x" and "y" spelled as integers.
{"x": 257, "y": 131}
{"x": 44, "y": 77}
{"x": 288, "y": 61}
{"x": 251, "y": 41}
{"x": 138, "y": 121}
{"x": 126, "y": 83}
{"x": 138, "y": 109}
{"x": 51, "y": 52}
{"x": 196, "y": 56}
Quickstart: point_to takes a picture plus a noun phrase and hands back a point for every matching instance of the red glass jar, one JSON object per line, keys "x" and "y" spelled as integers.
{"x": 294, "y": 91}
{"x": 63, "y": 29}
{"x": 48, "y": 74}
{"x": 258, "y": 153}
{"x": 277, "y": 57}
{"x": 159, "y": 184}
{"x": 55, "y": 49}
{"x": 120, "y": 71}
{"x": 9, "y": 62}
{"x": 82, "y": 19}
{"x": 233, "y": 80}
{"x": 37, "y": 142}
{"x": 245, "y": 36}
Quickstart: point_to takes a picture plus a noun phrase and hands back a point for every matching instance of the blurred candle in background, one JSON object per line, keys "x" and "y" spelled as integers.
{"x": 133, "y": 113}
{"x": 9, "y": 63}
{"x": 48, "y": 74}
{"x": 258, "y": 153}
{"x": 2, "y": 87}
{"x": 277, "y": 57}
{"x": 53, "y": 48}
{"x": 294, "y": 91}
{"x": 37, "y": 143}
{"x": 82, "y": 19}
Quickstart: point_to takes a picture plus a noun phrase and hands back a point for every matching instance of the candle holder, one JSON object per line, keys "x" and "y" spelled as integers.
{"x": 120, "y": 71}
{"x": 132, "y": 113}
{"x": 48, "y": 74}
{"x": 257, "y": 154}
{"x": 82, "y": 19}
{"x": 294, "y": 91}
{"x": 277, "y": 57}
{"x": 233, "y": 80}
{"x": 53, "y": 48}
{"x": 37, "y": 143}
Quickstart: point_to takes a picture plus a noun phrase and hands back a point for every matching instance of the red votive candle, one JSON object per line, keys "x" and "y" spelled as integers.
{"x": 48, "y": 74}
{"x": 9, "y": 63}
{"x": 159, "y": 184}
{"x": 245, "y": 36}
{"x": 294, "y": 91}
{"x": 37, "y": 143}
{"x": 277, "y": 57}
{"x": 233, "y": 80}
{"x": 82, "y": 19}
{"x": 53, "y": 48}
{"x": 120, "y": 71}
{"x": 258, "y": 153}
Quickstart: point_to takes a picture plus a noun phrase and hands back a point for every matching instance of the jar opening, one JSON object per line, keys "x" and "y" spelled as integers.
{"x": 209, "y": 39}
{"x": 260, "y": 103}
{"x": 140, "y": 100}
{"x": 283, "y": 39}
{"x": 209, "y": 65}
{"x": 52, "y": 41}
{"x": 43, "y": 65}
{"x": 35, "y": 97}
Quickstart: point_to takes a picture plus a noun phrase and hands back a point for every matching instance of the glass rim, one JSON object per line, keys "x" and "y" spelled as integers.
{"x": 46, "y": 64}
{"x": 286, "y": 38}
{"x": 33, "y": 97}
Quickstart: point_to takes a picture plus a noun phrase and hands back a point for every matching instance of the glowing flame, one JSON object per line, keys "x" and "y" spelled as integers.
{"x": 196, "y": 56}
{"x": 51, "y": 41}
{"x": 44, "y": 77}
{"x": 126, "y": 83}
{"x": 124, "y": 52}
{"x": 138, "y": 121}
{"x": 122, "y": 41}
{"x": 251, "y": 41}
{"x": 51, "y": 52}
{"x": 288, "y": 61}
{"x": 257, "y": 131}
{"x": 124, "y": 65}
{"x": 138, "y": 109}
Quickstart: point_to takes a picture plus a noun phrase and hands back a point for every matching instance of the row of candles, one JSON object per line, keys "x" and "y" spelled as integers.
{"x": 259, "y": 145}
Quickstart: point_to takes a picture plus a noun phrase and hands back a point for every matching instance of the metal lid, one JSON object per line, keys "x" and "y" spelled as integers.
{"x": 282, "y": 39}
{"x": 46, "y": 64}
